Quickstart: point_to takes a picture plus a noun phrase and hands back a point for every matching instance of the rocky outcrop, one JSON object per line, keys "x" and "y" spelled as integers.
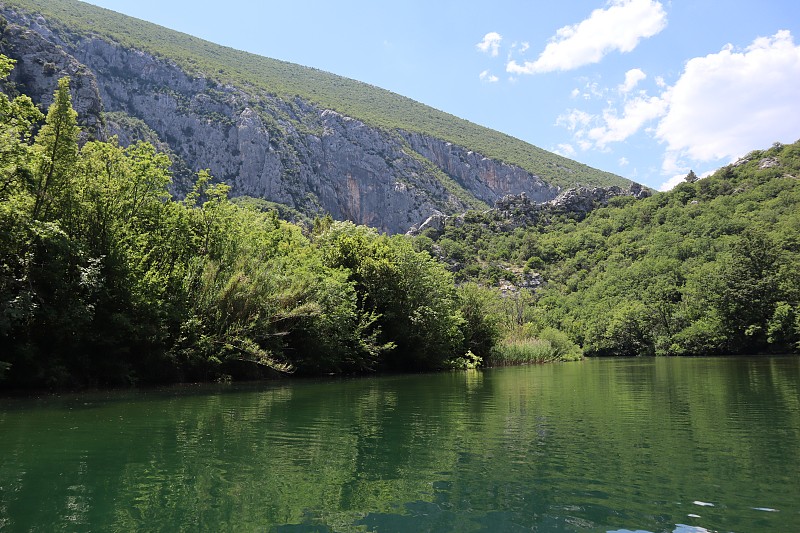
{"x": 41, "y": 63}
{"x": 579, "y": 201}
{"x": 576, "y": 202}
{"x": 517, "y": 210}
{"x": 288, "y": 151}
{"x": 768, "y": 162}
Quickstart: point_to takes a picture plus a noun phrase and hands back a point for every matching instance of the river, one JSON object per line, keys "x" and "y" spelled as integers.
{"x": 623, "y": 445}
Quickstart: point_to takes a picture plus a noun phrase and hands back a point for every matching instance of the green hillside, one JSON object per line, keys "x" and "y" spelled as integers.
{"x": 710, "y": 267}
{"x": 370, "y": 104}
{"x": 106, "y": 279}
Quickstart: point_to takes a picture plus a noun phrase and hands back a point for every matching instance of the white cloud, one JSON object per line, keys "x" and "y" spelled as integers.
{"x": 722, "y": 106}
{"x": 488, "y": 77}
{"x": 632, "y": 79}
{"x": 565, "y": 149}
{"x": 672, "y": 182}
{"x": 618, "y": 27}
{"x": 727, "y": 104}
{"x": 677, "y": 179}
{"x": 518, "y": 49}
{"x": 590, "y": 90}
{"x": 490, "y": 43}
{"x": 636, "y": 113}
{"x": 574, "y": 119}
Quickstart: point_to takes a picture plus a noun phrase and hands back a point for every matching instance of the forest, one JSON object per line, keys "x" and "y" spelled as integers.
{"x": 106, "y": 279}
{"x": 711, "y": 267}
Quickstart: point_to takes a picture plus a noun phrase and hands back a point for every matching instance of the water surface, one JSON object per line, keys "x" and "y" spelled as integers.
{"x": 602, "y": 445}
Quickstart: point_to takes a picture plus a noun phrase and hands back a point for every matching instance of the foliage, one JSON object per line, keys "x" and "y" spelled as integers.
{"x": 106, "y": 279}
{"x": 710, "y": 267}
{"x": 520, "y": 351}
{"x": 411, "y": 295}
{"x": 468, "y": 361}
{"x": 523, "y": 345}
{"x": 482, "y": 323}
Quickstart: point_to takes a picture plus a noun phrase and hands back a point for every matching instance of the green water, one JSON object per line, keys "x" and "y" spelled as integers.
{"x": 609, "y": 445}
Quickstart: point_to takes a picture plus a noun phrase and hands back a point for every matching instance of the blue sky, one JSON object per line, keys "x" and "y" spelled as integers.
{"x": 644, "y": 88}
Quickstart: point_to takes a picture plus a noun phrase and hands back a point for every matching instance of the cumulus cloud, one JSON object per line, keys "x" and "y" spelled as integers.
{"x": 565, "y": 149}
{"x": 672, "y": 182}
{"x": 490, "y": 44}
{"x": 729, "y": 103}
{"x": 488, "y": 77}
{"x": 722, "y": 106}
{"x": 618, "y": 27}
{"x": 632, "y": 79}
{"x": 635, "y": 114}
{"x": 575, "y": 119}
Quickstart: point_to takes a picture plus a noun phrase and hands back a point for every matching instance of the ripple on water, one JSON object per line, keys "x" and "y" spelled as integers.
{"x": 703, "y": 504}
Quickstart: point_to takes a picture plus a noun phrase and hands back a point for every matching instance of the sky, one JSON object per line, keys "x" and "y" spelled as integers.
{"x": 647, "y": 89}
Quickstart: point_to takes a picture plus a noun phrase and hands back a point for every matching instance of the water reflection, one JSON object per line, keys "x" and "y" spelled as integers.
{"x": 622, "y": 445}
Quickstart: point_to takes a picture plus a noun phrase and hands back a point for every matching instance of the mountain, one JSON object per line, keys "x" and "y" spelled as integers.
{"x": 271, "y": 129}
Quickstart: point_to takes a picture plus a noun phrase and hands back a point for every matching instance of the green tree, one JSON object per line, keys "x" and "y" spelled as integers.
{"x": 57, "y": 144}
{"x": 747, "y": 289}
{"x": 480, "y": 307}
{"x": 17, "y": 118}
{"x": 412, "y": 295}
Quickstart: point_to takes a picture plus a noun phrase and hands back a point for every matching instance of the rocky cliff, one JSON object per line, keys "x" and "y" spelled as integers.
{"x": 284, "y": 150}
{"x": 517, "y": 210}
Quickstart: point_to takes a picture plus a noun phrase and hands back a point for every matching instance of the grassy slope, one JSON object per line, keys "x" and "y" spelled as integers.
{"x": 370, "y": 104}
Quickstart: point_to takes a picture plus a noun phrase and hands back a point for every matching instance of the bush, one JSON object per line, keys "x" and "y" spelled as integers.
{"x": 562, "y": 345}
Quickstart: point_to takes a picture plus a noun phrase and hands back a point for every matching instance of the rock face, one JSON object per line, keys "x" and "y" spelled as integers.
{"x": 485, "y": 178}
{"x": 517, "y": 210}
{"x": 39, "y": 66}
{"x": 575, "y": 203}
{"x": 287, "y": 151}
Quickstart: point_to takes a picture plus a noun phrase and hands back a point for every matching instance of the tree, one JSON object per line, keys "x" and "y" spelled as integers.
{"x": 412, "y": 295}
{"x": 479, "y": 307}
{"x": 57, "y": 144}
{"x": 17, "y": 118}
{"x": 748, "y": 289}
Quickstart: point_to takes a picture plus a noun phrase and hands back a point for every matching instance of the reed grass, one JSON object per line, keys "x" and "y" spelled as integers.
{"x": 510, "y": 352}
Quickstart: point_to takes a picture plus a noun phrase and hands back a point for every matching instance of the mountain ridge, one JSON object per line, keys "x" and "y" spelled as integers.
{"x": 274, "y": 107}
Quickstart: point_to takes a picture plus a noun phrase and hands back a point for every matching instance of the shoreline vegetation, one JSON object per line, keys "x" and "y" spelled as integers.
{"x": 107, "y": 280}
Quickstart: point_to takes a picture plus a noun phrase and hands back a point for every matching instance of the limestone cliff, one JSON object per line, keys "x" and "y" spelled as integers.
{"x": 284, "y": 150}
